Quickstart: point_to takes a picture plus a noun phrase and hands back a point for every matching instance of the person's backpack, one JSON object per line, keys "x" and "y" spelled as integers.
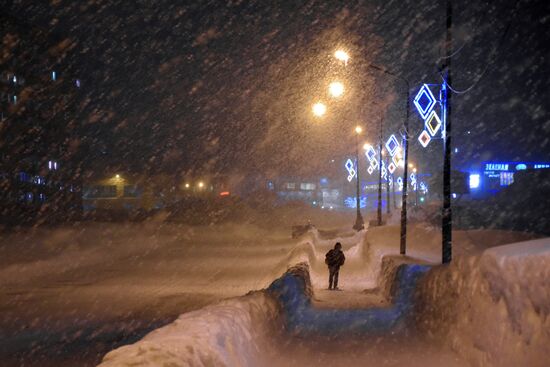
{"x": 329, "y": 258}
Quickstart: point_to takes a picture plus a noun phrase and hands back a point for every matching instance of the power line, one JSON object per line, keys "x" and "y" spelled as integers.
{"x": 491, "y": 61}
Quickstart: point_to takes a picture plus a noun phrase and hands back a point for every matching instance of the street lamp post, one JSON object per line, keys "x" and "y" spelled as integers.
{"x": 359, "y": 223}
{"x": 416, "y": 187}
{"x": 403, "y": 237}
{"x": 379, "y": 209}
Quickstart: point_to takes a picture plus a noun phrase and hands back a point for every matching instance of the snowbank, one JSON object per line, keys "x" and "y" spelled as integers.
{"x": 492, "y": 308}
{"x": 235, "y": 332}
{"x": 294, "y": 292}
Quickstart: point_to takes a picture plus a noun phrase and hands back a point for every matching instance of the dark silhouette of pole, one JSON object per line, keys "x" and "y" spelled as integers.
{"x": 393, "y": 190}
{"x": 359, "y": 223}
{"x": 416, "y": 188}
{"x": 387, "y": 187}
{"x": 379, "y": 211}
{"x": 403, "y": 239}
{"x": 446, "y": 222}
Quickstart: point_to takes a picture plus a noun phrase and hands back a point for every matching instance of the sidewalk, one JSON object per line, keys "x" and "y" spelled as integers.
{"x": 347, "y": 299}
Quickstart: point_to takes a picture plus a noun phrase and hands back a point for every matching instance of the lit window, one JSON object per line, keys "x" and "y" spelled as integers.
{"x": 290, "y": 185}
{"x": 506, "y": 178}
{"x": 307, "y": 186}
{"x": 474, "y": 181}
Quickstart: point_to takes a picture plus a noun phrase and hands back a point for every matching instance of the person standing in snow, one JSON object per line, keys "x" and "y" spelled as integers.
{"x": 334, "y": 259}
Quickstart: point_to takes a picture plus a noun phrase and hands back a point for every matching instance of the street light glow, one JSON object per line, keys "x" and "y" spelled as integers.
{"x": 201, "y": 184}
{"x": 319, "y": 109}
{"x": 358, "y": 130}
{"x": 366, "y": 146}
{"x": 342, "y": 56}
{"x": 336, "y": 89}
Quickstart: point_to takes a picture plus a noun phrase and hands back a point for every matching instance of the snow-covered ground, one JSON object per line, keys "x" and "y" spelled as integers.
{"x": 69, "y": 295}
{"x": 247, "y": 331}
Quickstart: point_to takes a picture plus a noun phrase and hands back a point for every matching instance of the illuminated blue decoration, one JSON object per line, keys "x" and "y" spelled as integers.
{"x": 496, "y": 166}
{"x": 54, "y": 75}
{"x": 351, "y": 202}
{"x": 396, "y": 159}
{"x": 539, "y": 166}
{"x": 384, "y": 172}
{"x": 423, "y": 187}
{"x": 521, "y": 166}
{"x": 392, "y": 145}
{"x": 370, "y": 153}
{"x": 433, "y": 123}
{"x": 424, "y": 138}
{"x": 400, "y": 183}
{"x": 391, "y": 168}
{"x": 413, "y": 180}
{"x": 424, "y": 101}
{"x": 351, "y": 170}
{"x": 474, "y": 181}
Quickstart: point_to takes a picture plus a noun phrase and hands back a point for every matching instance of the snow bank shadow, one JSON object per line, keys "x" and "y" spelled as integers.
{"x": 294, "y": 292}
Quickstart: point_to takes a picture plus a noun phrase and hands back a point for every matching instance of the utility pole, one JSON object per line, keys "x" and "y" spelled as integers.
{"x": 359, "y": 223}
{"x": 403, "y": 240}
{"x": 446, "y": 223}
{"x": 379, "y": 211}
{"x": 388, "y": 211}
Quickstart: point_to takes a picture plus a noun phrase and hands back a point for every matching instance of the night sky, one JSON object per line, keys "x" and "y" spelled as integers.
{"x": 227, "y": 86}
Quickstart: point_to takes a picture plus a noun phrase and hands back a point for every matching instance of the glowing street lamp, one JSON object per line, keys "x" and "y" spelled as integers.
{"x": 336, "y": 89}
{"x": 201, "y": 184}
{"x": 358, "y": 130}
{"x": 342, "y": 56}
{"x": 319, "y": 109}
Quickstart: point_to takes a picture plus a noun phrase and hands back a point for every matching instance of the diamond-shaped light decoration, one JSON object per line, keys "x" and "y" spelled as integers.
{"x": 374, "y": 163}
{"x": 370, "y": 170}
{"x": 392, "y": 145}
{"x": 424, "y": 101}
{"x": 370, "y": 153}
{"x": 351, "y": 170}
{"x": 433, "y": 123}
{"x": 424, "y": 138}
{"x": 396, "y": 160}
{"x": 391, "y": 168}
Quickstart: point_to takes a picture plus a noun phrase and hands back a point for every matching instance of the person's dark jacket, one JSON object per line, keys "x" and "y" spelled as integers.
{"x": 335, "y": 258}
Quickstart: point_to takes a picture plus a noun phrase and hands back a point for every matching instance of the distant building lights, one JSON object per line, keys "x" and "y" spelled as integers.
{"x": 474, "y": 181}
{"x": 521, "y": 166}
